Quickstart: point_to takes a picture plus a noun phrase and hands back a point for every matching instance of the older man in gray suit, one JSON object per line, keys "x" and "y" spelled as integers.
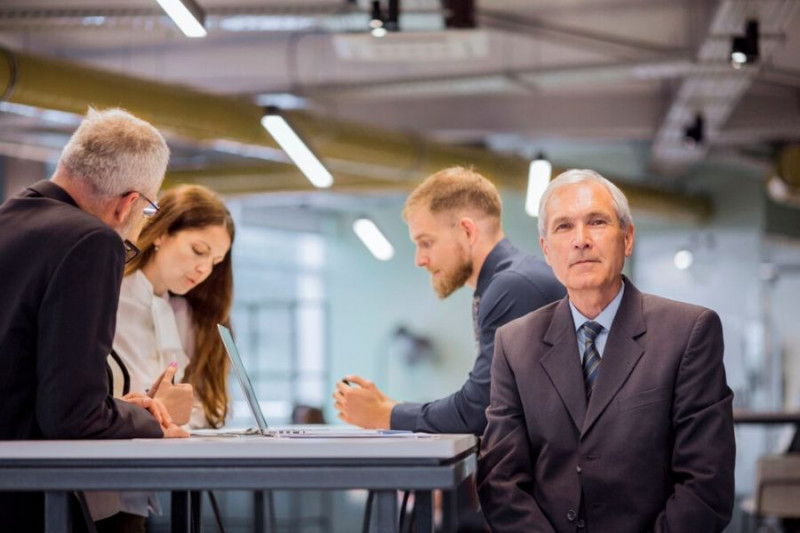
{"x": 609, "y": 409}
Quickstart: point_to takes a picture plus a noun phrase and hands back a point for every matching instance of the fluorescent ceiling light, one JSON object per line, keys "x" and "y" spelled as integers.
{"x": 187, "y": 15}
{"x": 373, "y": 239}
{"x": 300, "y": 154}
{"x": 538, "y": 179}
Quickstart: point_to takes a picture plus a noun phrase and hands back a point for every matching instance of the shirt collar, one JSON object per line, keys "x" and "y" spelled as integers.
{"x": 606, "y": 316}
{"x": 501, "y": 251}
{"x": 48, "y": 189}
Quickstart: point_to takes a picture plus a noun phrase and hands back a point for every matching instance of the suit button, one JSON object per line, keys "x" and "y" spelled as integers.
{"x": 578, "y": 469}
{"x": 571, "y": 515}
{"x": 580, "y": 523}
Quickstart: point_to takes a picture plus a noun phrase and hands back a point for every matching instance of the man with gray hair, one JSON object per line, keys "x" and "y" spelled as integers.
{"x": 609, "y": 409}
{"x": 62, "y": 251}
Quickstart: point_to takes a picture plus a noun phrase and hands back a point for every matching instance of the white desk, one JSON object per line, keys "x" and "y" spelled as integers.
{"x": 384, "y": 465}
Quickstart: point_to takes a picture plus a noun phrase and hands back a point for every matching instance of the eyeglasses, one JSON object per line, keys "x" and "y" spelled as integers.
{"x": 150, "y": 210}
{"x": 131, "y": 251}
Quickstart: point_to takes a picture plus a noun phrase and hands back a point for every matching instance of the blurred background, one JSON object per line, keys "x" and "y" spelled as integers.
{"x": 691, "y": 106}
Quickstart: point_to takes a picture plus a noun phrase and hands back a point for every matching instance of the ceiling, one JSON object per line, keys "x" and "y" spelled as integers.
{"x": 607, "y": 84}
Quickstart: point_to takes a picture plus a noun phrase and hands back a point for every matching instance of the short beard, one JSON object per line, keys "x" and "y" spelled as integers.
{"x": 447, "y": 284}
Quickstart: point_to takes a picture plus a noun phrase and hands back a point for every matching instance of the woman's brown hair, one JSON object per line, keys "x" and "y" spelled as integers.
{"x": 194, "y": 207}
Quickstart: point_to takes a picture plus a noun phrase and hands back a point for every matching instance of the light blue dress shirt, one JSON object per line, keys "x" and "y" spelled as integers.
{"x": 605, "y": 319}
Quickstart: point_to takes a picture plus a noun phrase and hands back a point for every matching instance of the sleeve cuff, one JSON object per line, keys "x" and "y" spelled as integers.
{"x": 404, "y": 416}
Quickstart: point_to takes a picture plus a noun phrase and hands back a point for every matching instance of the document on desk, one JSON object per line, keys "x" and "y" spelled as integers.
{"x": 357, "y": 434}
{"x": 312, "y": 433}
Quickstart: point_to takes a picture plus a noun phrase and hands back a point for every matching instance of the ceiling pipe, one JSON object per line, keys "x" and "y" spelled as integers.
{"x": 361, "y": 157}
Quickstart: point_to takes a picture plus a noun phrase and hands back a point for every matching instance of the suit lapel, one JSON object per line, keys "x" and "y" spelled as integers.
{"x": 620, "y": 354}
{"x": 562, "y": 364}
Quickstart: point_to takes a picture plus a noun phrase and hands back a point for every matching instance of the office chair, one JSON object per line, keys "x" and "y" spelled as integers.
{"x": 777, "y": 491}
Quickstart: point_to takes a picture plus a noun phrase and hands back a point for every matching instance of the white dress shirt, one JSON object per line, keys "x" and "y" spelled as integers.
{"x": 152, "y": 331}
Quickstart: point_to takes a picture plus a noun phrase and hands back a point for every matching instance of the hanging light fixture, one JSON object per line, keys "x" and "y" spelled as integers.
{"x": 539, "y": 174}
{"x": 694, "y": 133}
{"x": 744, "y": 50}
{"x": 187, "y": 15}
{"x": 379, "y": 24}
{"x": 376, "y": 20}
{"x": 372, "y": 237}
{"x": 297, "y": 150}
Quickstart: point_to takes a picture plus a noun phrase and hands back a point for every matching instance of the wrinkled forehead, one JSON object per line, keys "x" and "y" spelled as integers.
{"x": 578, "y": 199}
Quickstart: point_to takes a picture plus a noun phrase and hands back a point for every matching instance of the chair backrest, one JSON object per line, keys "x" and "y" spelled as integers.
{"x": 778, "y": 486}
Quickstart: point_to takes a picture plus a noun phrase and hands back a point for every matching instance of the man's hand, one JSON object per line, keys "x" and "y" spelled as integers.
{"x": 363, "y": 405}
{"x": 159, "y": 412}
{"x": 178, "y": 399}
{"x": 175, "y": 432}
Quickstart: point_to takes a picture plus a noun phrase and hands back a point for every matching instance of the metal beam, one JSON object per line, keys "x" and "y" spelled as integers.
{"x": 716, "y": 95}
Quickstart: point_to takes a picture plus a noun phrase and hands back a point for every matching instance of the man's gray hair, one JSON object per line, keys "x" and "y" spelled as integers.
{"x": 571, "y": 177}
{"x": 114, "y": 152}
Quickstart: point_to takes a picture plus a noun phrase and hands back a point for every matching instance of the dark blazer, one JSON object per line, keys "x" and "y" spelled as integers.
{"x": 653, "y": 451}
{"x": 60, "y": 274}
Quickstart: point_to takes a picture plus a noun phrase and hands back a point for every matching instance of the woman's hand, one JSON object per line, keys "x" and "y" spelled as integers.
{"x": 178, "y": 399}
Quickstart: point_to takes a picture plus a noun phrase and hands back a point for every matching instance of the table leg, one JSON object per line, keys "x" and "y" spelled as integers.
{"x": 196, "y": 508}
{"x": 181, "y": 515}
{"x": 423, "y": 511}
{"x": 57, "y": 517}
{"x": 449, "y": 510}
{"x": 386, "y": 506}
{"x": 264, "y": 512}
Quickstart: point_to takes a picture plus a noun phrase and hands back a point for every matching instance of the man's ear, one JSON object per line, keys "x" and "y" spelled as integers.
{"x": 630, "y": 233}
{"x": 470, "y": 229}
{"x": 124, "y": 206}
{"x": 543, "y": 244}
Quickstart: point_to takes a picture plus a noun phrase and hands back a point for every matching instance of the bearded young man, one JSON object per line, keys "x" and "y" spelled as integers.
{"x": 454, "y": 218}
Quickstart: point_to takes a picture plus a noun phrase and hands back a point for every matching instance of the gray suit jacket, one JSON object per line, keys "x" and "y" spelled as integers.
{"x": 653, "y": 451}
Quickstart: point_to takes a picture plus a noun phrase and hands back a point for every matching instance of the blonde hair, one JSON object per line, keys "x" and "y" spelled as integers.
{"x": 455, "y": 188}
{"x": 115, "y": 153}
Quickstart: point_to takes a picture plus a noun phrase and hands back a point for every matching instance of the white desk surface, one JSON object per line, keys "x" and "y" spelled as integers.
{"x": 439, "y": 447}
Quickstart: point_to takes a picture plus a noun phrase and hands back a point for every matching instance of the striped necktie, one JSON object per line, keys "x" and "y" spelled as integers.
{"x": 591, "y": 357}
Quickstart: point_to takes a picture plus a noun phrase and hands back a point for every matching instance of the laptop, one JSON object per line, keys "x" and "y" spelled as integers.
{"x": 263, "y": 428}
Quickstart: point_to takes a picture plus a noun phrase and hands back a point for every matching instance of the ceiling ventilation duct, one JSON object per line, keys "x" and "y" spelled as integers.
{"x": 363, "y": 158}
{"x": 784, "y": 186}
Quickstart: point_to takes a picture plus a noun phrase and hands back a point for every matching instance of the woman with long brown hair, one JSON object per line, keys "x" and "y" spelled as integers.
{"x": 174, "y": 294}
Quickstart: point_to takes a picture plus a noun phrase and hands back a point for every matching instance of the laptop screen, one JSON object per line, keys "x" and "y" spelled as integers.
{"x": 241, "y": 374}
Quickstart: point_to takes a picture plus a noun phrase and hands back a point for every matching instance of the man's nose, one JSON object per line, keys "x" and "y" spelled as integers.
{"x": 580, "y": 236}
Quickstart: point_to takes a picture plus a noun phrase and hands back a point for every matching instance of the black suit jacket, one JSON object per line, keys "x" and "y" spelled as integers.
{"x": 60, "y": 274}
{"x": 653, "y": 451}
